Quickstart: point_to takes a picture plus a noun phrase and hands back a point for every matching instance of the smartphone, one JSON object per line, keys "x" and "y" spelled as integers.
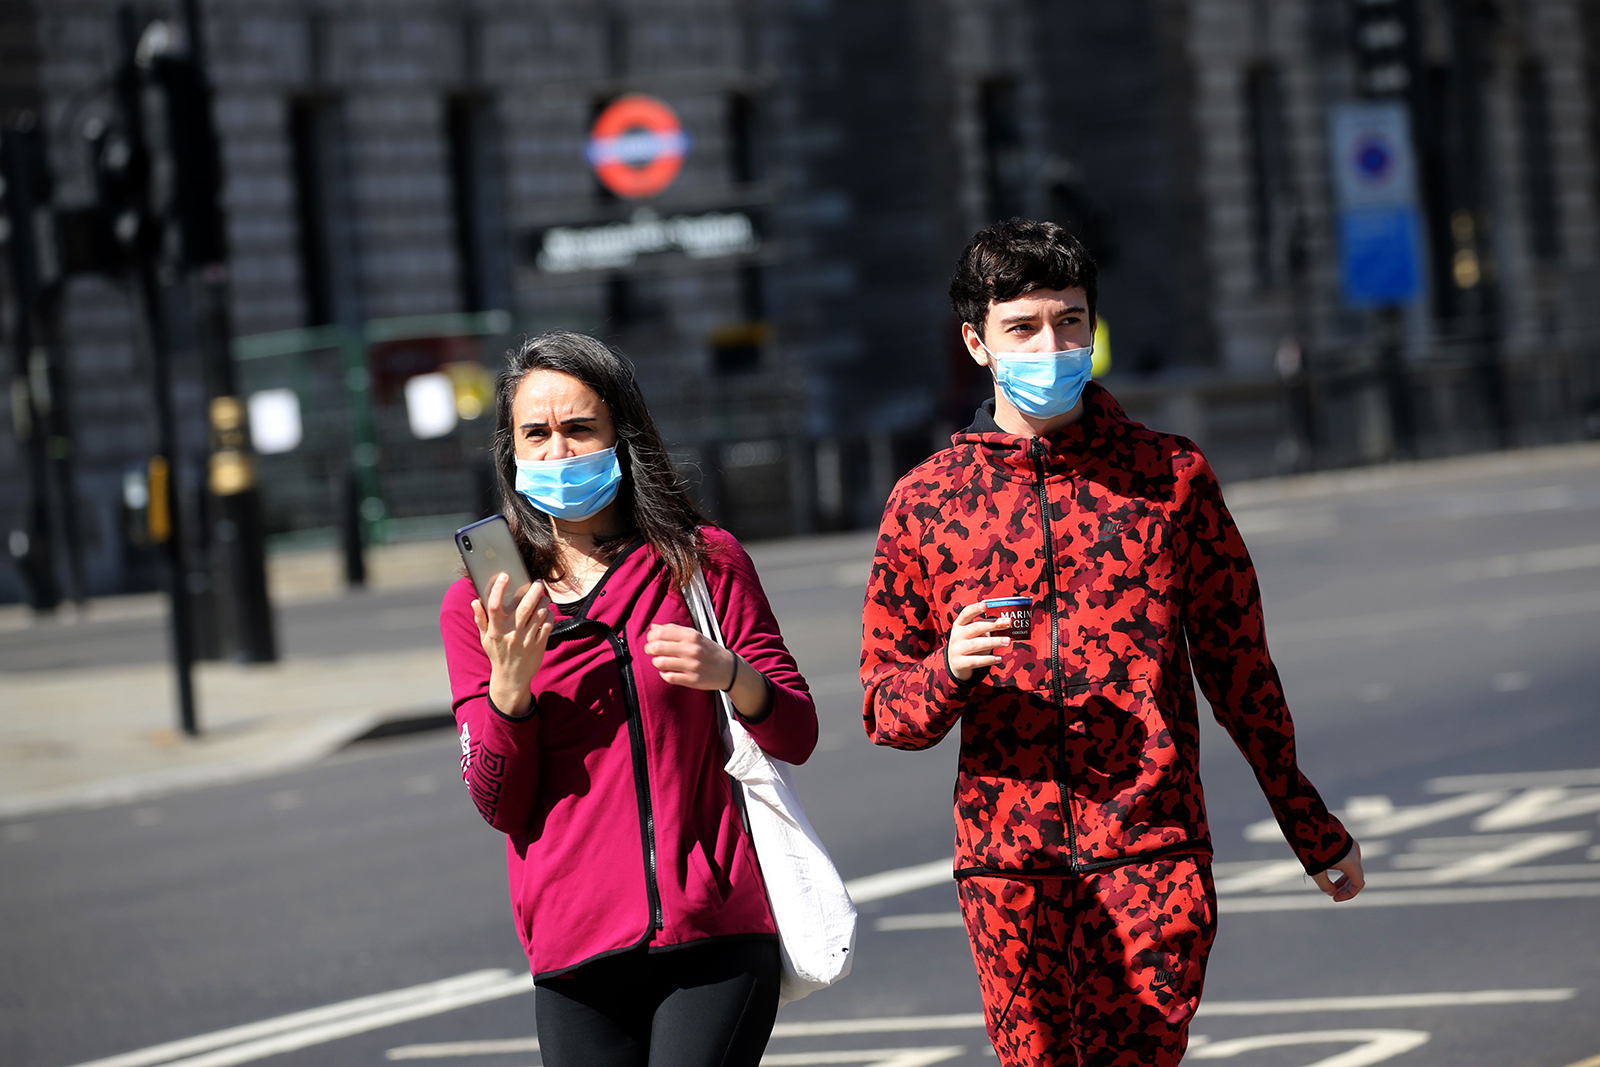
{"x": 488, "y": 550}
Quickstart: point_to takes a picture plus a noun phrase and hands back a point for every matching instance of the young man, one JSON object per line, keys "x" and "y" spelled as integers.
{"x": 1082, "y": 852}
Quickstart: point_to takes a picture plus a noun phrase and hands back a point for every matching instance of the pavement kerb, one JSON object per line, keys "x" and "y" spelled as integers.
{"x": 90, "y": 738}
{"x": 310, "y": 746}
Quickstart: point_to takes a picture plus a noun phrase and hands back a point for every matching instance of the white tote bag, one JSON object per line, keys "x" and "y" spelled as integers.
{"x": 815, "y": 916}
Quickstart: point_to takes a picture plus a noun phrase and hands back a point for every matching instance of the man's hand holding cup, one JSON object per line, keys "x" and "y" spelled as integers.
{"x": 974, "y": 640}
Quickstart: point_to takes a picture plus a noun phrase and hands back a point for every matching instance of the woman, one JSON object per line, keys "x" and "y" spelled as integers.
{"x": 590, "y": 733}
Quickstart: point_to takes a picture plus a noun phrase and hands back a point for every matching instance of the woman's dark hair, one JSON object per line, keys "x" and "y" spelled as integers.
{"x": 1014, "y": 257}
{"x": 653, "y": 498}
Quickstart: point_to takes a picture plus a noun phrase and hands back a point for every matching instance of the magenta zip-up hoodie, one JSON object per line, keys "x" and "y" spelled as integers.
{"x": 619, "y": 820}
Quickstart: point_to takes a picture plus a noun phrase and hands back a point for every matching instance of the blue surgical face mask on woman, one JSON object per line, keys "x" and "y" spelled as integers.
{"x": 577, "y": 487}
{"x": 1043, "y": 385}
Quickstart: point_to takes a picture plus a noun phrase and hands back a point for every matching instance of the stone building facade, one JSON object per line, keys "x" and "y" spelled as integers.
{"x": 388, "y": 159}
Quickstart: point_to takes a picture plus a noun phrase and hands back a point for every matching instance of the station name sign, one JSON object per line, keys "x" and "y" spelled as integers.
{"x": 568, "y": 249}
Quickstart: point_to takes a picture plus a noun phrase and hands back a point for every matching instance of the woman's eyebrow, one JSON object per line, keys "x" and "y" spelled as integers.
{"x": 575, "y": 420}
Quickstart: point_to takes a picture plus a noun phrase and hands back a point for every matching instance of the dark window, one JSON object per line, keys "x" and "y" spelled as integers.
{"x": 634, "y": 302}
{"x": 1538, "y": 163}
{"x": 1002, "y": 144}
{"x": 1271, "y": 190}
{"x": 324, "y": 212}
{"x": 602, "y": 194}
{"x": 742, "y": 167}
{"x": 475, "y": 195}
{"x": 614, "y": 33}
{"x": 1591, "y": 44}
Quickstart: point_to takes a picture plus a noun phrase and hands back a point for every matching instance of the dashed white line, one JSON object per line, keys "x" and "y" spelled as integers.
{"x": 1466, "y": 783}
{"x": 1373, "y": 1046}
{"x": 419, "y": 1000}
{"x": 1407, "y": 897}
{"x": 898, "y": 881}
{"x": 868, "y": 1057}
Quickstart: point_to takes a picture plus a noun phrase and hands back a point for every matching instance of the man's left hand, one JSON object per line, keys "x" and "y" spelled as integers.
{"x": 1351, "y": 878}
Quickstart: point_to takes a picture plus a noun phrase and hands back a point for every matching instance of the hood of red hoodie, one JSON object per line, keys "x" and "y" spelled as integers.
{"x": 1065, "y": 449}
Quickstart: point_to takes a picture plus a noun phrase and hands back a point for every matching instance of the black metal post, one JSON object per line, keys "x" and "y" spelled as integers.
{"x": 146, "y": 240}
{"x": 1396, "y": 386}
{"x": 237, "y": 536}
{"x": 350, "y": 496}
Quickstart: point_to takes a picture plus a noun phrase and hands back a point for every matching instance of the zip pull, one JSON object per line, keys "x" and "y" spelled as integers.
{"x": 1036, "y": 450}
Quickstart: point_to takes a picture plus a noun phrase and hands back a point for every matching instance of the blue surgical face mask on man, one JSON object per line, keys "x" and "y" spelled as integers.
{"x": 1042, "y": 385}
{"x": 577, "y": 487}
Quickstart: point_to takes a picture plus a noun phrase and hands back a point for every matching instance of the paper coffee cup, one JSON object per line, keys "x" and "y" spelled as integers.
{"x": 1016, "y": 610}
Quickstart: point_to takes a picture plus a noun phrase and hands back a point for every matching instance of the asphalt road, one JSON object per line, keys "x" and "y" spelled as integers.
{"x": 1439, "y": 648}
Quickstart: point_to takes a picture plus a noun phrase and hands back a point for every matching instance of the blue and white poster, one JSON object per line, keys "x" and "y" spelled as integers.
{"x": 1375, "y": 188}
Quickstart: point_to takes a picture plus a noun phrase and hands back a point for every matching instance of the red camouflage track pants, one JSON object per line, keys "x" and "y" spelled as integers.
{"x": 1103, "y": 970}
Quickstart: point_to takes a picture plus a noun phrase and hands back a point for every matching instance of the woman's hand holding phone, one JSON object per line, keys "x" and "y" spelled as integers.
{"x": 514, "y": 637}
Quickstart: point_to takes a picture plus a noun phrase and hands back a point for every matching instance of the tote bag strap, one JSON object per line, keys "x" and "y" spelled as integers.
{"x": 704, "y": 613}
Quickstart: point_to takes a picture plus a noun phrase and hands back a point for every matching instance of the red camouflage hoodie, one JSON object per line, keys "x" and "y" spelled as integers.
{"x": 1081, "y": 750}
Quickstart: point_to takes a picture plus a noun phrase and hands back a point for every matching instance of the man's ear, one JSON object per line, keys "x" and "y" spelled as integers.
{"x": 969, "y": 334}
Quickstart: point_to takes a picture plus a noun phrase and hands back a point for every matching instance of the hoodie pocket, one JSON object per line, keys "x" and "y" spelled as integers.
{"x": 703, "y": 888}
{"x": 1121, "y": 734}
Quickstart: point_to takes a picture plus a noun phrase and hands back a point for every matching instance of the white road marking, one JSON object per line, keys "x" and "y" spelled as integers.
{"x": 1406, "y": 897}
{"x": 1483, "y": 863}
{"x": 893, "y": 1024}
{"x": 1547, "y": 561}
{"x": 359, "y": 1024}
{"x": 1262, "y": 876}
{"x": 898, "y": 881}
{"x": 974, "y": 1021}
{"x": 1376, "y": 816}
{"x": 1386, "y": 1002}
{"x": 1464, "y": 783}
{"x": 239, "y": 1044}
{"x": 1374, "y": 1046}
{"x": 451, "y": 1049}
{"x": 1541, "y": 804}
{"x": 870, "y": 1057}
{"x": 1511, "y": 681}
{"x": 928, "y": 920}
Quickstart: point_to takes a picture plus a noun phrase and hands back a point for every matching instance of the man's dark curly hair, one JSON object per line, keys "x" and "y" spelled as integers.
{"x": 1014, "y": 257}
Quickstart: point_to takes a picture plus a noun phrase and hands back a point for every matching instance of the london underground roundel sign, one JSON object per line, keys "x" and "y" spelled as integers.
{"x": 637, "y": 146}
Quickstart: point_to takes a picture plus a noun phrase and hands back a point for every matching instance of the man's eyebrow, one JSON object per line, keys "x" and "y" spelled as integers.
{"x": 1012, "y": 320}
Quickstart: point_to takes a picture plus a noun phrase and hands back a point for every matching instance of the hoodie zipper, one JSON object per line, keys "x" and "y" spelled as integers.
{"x": 1057, "y": 678}
{"x": 641, "y": 774}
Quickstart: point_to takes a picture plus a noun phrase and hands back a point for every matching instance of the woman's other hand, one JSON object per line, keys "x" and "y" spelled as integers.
{"x": 514, "y": 641}
{"x": 689, "y": 658}
{"x": 972, "y": 643}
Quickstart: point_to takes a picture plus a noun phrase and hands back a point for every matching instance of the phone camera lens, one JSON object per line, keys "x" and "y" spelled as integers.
{"x": 466, "y": 543}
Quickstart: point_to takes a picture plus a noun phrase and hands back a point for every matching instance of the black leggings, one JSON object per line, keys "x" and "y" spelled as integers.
{"x": 707, "y": 1005}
